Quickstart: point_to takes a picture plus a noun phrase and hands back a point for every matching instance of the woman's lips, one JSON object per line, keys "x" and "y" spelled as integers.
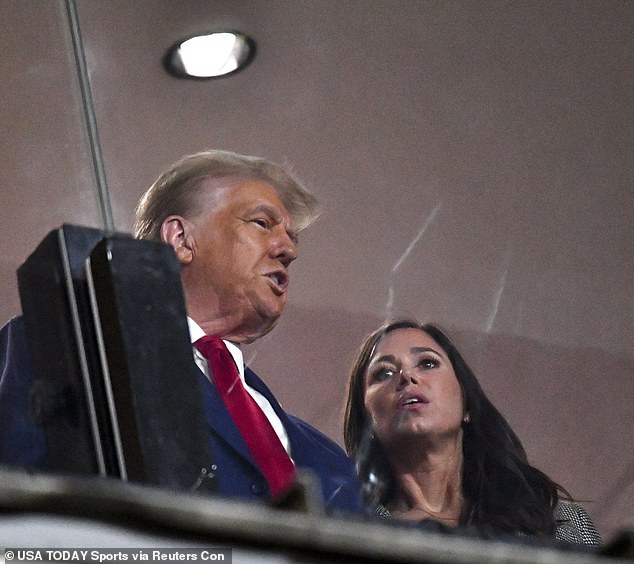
{"x": 412, "y": 401}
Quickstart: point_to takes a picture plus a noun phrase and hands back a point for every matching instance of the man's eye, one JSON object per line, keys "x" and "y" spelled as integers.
{"x": 261, "y": 222}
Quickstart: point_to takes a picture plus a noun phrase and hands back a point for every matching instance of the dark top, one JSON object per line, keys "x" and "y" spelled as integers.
{"x": 572, "y": 523}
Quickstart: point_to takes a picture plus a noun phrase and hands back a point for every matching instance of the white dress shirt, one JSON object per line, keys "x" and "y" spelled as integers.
{"x": 195, "y": 333}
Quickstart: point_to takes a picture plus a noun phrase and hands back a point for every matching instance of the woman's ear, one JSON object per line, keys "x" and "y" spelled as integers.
{"x": 176, "y": 231}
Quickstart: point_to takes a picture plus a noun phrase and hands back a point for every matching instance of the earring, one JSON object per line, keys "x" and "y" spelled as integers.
{"x": 466, "y": 418}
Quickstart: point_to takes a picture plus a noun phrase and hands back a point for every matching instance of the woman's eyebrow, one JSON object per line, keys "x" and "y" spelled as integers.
{"x": 385, "y": 358}
{"x": 423, "y": 349}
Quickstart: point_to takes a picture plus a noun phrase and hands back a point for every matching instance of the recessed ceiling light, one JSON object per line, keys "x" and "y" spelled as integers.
{"x": 210, "y": 56}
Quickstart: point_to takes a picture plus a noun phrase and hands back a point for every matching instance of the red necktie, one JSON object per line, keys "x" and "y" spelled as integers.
{"x": 256, "y": 430}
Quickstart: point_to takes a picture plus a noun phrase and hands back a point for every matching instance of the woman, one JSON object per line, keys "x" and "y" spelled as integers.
{"x": 430, "y": 445}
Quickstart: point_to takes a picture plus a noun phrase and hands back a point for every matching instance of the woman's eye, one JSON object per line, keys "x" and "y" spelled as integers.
{"x": 383, "y": 374}
{"x": 427, "y": 363}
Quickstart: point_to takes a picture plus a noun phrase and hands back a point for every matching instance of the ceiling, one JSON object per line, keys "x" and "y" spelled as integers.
{"x": 474, "y": 161}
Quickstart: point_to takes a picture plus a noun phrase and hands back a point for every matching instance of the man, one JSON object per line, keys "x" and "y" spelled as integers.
{"x": 233, "y": 222}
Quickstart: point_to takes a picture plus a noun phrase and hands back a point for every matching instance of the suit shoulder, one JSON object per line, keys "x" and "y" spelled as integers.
{"x": 13, "y": 328}
{"x": 15, "y": 359}
{"x": 318, "y": 436}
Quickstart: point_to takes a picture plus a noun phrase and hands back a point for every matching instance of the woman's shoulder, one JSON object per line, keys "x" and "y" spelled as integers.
{"x": 573, "y": 524}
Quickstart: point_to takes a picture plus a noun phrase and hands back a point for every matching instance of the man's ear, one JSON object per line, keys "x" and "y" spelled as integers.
{"x": 176, "y": 231}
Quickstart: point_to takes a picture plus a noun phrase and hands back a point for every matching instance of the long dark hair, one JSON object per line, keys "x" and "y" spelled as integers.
{"x": 502, "y": 491}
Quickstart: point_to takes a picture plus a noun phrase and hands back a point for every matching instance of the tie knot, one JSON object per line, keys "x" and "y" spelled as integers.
{"x": 210, "y": 344}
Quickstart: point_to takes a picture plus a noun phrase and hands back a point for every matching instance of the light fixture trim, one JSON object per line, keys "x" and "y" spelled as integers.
{"x": 215, "y": 54}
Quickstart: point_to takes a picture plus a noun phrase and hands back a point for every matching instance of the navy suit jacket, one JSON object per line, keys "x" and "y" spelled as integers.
{"x": 239, "y": 475}
{"x": 22, "y": 443}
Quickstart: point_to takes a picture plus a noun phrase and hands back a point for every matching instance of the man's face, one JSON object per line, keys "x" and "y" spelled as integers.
{"x": 241, "y": 244}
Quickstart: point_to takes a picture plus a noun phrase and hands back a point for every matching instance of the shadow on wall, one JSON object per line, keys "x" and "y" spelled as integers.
{"x": 570, "y": 407}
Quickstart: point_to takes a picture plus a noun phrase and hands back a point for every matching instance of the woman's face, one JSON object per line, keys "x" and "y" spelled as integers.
{"x": 411, "y": 389}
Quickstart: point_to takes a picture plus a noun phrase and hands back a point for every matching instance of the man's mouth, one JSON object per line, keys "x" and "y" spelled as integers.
{"x": 279, "y": 280}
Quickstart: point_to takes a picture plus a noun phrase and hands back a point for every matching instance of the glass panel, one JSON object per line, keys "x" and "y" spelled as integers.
{"x": 474, "y": 164}
{"x": 46, "y": 174}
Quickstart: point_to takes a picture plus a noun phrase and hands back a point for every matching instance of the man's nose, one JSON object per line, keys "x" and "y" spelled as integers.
{"x": 283, "y": 247}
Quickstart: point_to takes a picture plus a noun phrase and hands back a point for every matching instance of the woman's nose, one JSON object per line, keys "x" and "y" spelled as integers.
{"x": 406, "y": 376}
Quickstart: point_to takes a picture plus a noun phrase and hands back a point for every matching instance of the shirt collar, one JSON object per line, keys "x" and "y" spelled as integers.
{"x": 196, "y": 332}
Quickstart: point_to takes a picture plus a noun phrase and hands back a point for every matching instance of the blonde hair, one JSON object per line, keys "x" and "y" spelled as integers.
{"x": 176, "y": 190}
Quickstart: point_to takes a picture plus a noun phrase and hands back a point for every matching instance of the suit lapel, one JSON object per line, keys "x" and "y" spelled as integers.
{"x": 254, "y": 381}
{"x": 218, "y": 418}
{"x": 296, "y": 437}
{"x": 306, "y": 450}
